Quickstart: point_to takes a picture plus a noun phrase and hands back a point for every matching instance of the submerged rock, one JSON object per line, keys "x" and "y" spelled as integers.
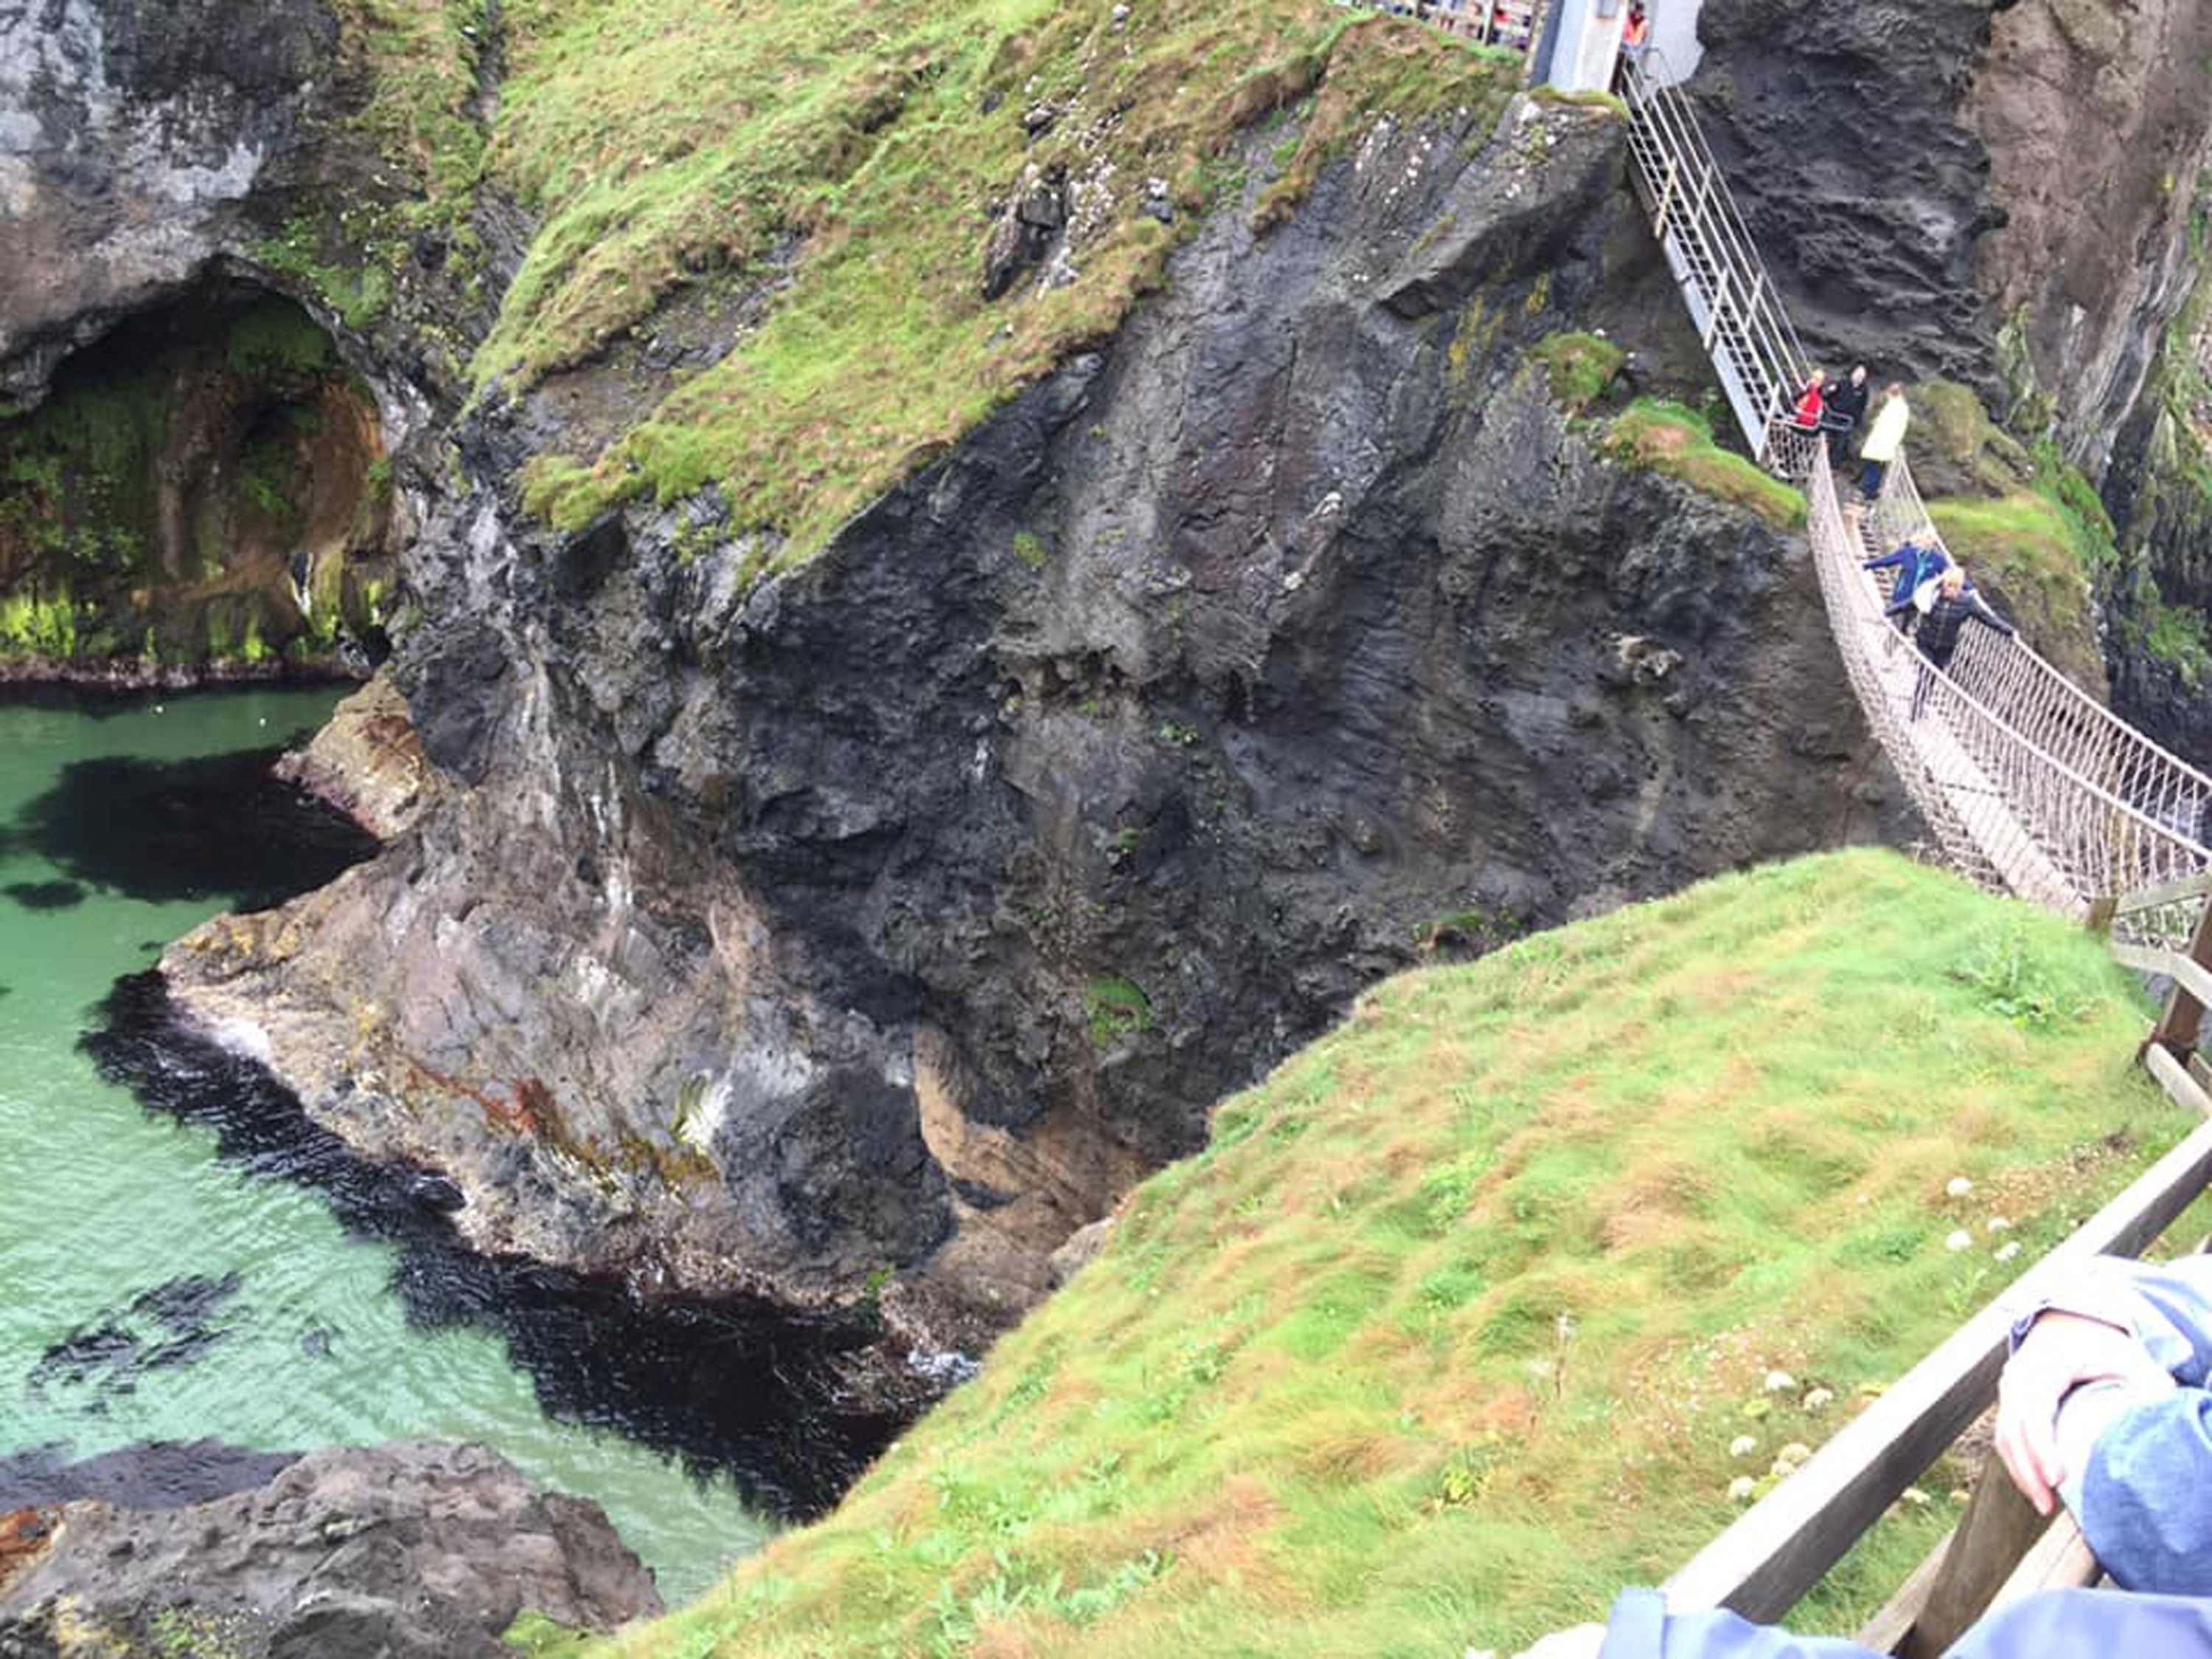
{"x": 417, "y": 1551}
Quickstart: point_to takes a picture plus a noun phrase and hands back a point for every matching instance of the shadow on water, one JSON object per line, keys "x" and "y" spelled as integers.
{"x": 728, "y": 1387}
{"x": 164, "y": 1475}
{"x": 218, "y": 826}
{"x": 46, "y": 894}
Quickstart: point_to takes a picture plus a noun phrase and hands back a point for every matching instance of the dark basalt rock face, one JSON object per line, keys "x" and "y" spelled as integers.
{"x": 1838, "y": 129}
{"x": 900, "y": 910}
{"x": 414, "y": 1551}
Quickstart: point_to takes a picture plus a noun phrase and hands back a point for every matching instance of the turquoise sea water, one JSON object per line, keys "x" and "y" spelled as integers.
{"x": 258, "y": 1321}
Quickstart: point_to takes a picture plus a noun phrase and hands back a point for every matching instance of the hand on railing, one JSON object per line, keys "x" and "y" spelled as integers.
{"x": 2061, "y": 1353}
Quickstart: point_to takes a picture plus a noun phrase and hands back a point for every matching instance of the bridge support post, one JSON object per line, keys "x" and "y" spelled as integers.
{"x": 2181, "y": 1026}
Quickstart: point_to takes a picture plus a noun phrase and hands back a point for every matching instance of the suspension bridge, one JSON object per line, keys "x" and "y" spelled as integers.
{"x": 2030, "y": 785}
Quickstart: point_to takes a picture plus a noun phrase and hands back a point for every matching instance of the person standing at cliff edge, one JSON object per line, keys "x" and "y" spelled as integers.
{"x": 1884, "y": 439}
{"x": 1635, "y": 35}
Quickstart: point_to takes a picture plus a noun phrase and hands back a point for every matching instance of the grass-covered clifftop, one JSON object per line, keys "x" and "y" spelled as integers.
{"x": 819, "y": 181}
{"x": 1451, "y": 1329}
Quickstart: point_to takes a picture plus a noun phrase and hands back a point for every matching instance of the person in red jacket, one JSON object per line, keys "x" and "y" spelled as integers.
{"x": 1812, "y": 404}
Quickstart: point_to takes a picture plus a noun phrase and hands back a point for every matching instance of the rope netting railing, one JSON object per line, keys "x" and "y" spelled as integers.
{"x": 2039, "y": 699}
{"x": 2027, "y": 783}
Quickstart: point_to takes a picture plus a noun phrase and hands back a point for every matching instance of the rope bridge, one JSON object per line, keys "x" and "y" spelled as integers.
{"x": 2030, "y": 785}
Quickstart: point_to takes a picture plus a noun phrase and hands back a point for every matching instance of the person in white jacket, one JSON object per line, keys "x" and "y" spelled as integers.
{"x": 1883, "y": 438}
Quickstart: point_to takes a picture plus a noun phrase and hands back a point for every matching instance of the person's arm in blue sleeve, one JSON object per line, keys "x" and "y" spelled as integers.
{"x": 2103, "y": 1400}
{"x": 2092, "y": 1624}
{"x": 1641, "y": 1628}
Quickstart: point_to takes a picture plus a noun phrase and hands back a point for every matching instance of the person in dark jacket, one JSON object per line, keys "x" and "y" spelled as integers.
{"x": 1847, "y": 404}
{"x": 1956, "y": 605}
{"x": 1915, "y": 563}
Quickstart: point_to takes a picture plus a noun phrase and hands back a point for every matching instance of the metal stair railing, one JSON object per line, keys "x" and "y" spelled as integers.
{"x": 1752, "y": 344}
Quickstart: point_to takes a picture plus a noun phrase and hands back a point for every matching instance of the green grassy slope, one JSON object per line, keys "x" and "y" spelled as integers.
{"x": 713, "y": 148}
{"x": 1451, "y": 1329}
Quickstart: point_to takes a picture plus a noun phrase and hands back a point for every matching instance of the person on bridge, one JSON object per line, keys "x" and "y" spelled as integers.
{"x": 1812, "y": 403}
{"x": 1884, "y": 439}
{"x": 2103, "y": 1405}
{"x": 1917, "y": 567}
{"x": 1955, "y": 605}
{"x": 1847, "y": 406}
{"x": 1635, "y": 36}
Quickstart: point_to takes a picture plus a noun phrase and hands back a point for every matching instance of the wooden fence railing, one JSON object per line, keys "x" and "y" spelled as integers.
{"x": 1777, "y": 1550}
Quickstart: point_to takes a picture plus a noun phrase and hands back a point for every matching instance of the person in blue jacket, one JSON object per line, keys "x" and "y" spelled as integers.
{"x": 2103, "y": 1406}
{"x": 1915, "y": 564}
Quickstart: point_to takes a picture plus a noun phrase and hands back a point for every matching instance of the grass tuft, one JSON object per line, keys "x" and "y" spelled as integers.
{"x": 1582, "y": 367}
{"x": 1667, "y": 437}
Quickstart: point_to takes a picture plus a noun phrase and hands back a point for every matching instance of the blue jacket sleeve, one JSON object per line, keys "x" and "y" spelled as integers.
{"x": 2061, "y": 1624}
{"x": 1902, "y": 555}
{"x": 2146, "y": 1497}
{"x": 2167, "y": 1307}
{"x": 1641, "y": 1628}
{"x": 2068, "y": 1624}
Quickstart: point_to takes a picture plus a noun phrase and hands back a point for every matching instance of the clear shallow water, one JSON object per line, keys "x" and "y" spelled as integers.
{"x": 151, "y": 1290}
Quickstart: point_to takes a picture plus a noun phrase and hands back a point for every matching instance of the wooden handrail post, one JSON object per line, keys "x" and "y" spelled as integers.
{"x": 1998, "y": 1528}
{"x": 2179, "y": 1027}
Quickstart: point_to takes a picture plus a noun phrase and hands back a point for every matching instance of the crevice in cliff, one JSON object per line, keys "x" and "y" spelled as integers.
{"x": 203, "y": 492}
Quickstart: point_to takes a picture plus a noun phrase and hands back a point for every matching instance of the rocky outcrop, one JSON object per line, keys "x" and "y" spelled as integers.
{"x": 877, "y": 923}
{"x": 366, "y": 761}
{"x": 132, "y": 140}
{"x": 418, "y": 1551}
{"x": 1996, "y": 193}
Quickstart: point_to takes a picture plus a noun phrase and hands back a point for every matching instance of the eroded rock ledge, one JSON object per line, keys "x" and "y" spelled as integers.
{"x": 421, "y": 1550}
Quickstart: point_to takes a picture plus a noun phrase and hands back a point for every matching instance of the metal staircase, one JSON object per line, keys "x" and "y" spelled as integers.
{"x": 1746, "y": 332}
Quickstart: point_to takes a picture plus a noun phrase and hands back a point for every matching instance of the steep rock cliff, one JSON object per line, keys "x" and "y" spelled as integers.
{"x": 896, "y": 911}
{"x": 133, "y": 141}
{"x": 1996, "y": 193}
